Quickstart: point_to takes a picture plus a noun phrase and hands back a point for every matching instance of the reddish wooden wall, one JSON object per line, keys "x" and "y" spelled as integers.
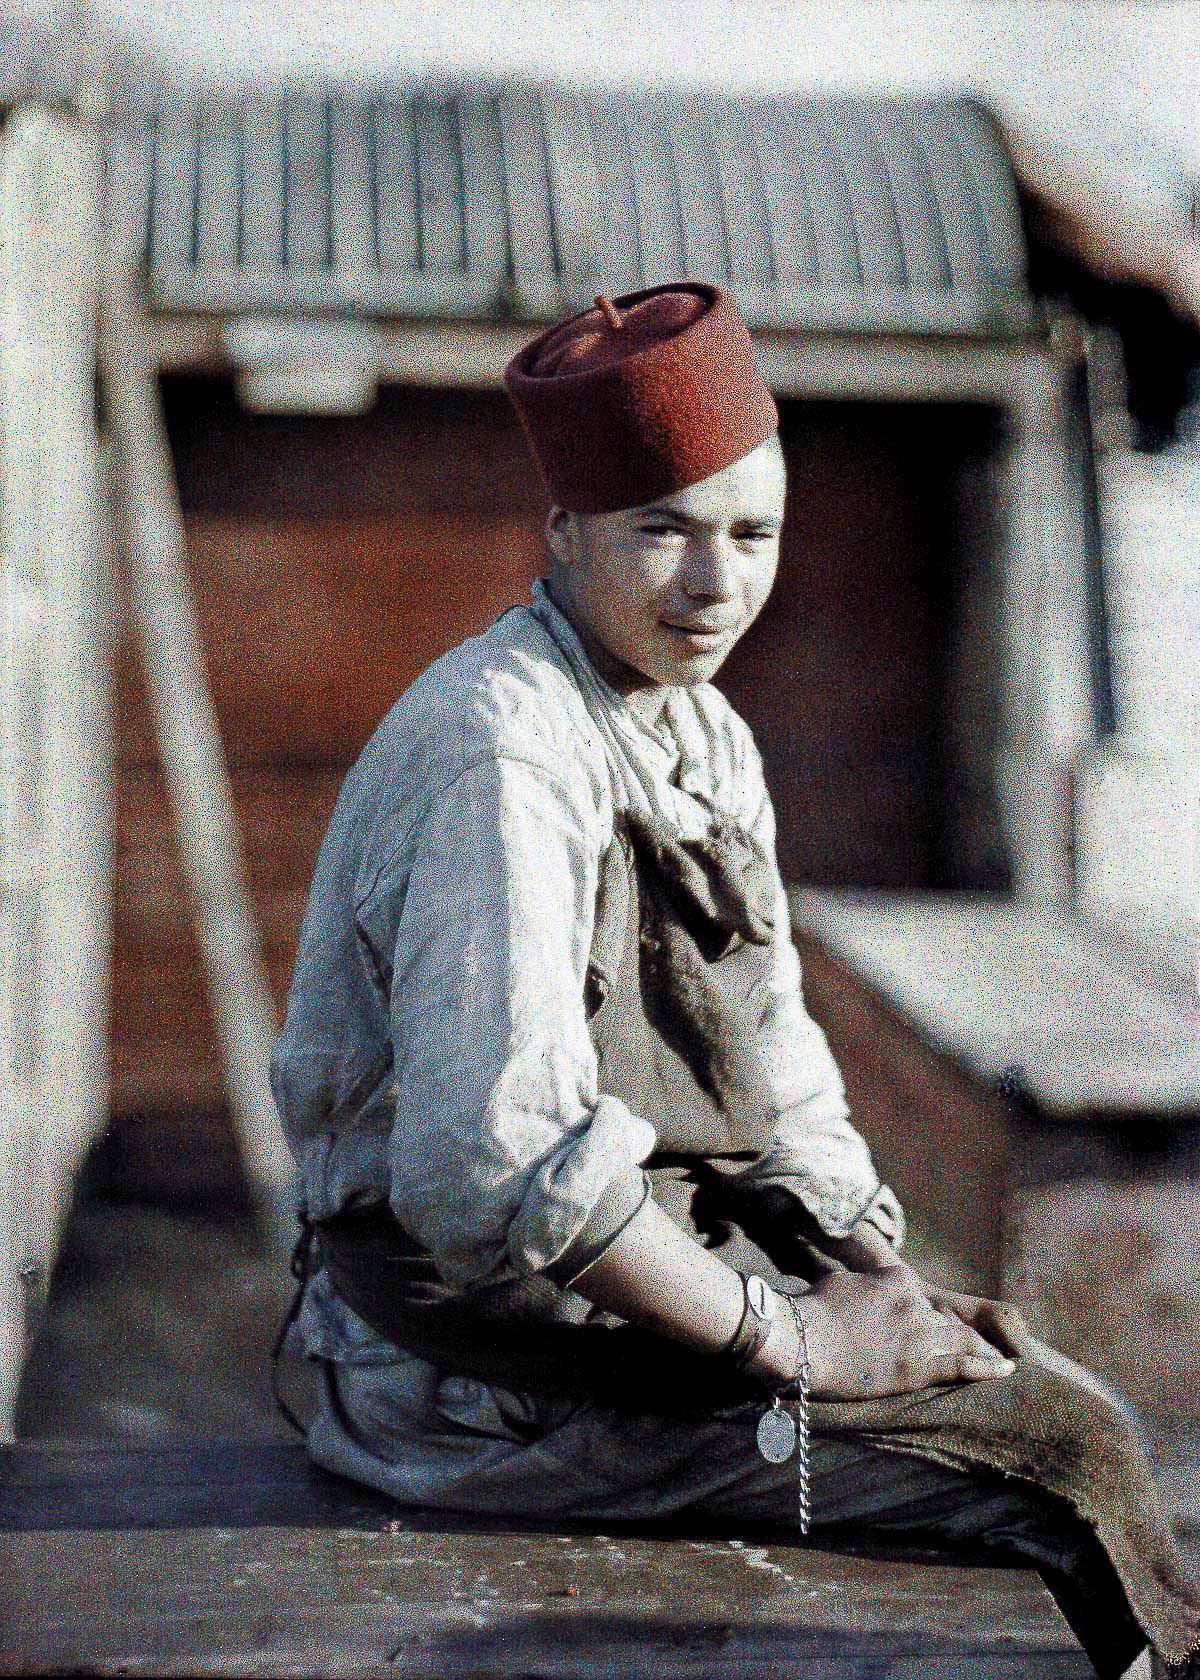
{"x": 333, "y": 559}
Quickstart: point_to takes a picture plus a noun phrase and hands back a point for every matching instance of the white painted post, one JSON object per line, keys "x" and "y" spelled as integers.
{"x": 55, "y": 789}
{"x": 189, "y": 741}
{"x": 1044, "y": 638}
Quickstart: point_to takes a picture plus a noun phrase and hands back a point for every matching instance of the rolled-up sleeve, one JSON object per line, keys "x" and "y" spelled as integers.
{"x": 505, "y": 1159}
{"x": 818, "y": 1154}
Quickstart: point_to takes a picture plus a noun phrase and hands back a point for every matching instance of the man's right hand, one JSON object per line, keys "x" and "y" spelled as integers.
{"x": 873, "y": 1333}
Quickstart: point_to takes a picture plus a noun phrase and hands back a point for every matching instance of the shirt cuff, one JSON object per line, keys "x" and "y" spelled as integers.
{"x": 586, "y": 1192}
{"x": 884, "y": 1212}
{"x": 621, "y": 1202}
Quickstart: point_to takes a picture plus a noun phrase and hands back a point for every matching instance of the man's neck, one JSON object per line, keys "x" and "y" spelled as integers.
{"x": 643, "y": 697}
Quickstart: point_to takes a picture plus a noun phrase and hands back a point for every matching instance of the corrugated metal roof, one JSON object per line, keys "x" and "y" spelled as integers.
{"x": 512, "y": 200}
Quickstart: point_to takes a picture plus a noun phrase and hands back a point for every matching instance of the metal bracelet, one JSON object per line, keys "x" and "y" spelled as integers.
{"x": 751, "y": 1335}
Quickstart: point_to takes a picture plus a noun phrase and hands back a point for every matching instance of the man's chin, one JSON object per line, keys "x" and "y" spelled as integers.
{"x": 676, "y": 667}
{"x": 687, "y": 673}
{"x": 689, "y": 662}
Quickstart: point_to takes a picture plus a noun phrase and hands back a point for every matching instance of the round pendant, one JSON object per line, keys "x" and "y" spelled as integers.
{"x": 776, "y": 1436}
{"x": 762, "y": 1301}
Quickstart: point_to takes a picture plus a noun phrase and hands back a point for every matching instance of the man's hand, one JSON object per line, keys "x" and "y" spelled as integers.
{"x": 868, "y": 1250}
{"x": 998, "y": 1321}
{"x": 879, "y": 1332}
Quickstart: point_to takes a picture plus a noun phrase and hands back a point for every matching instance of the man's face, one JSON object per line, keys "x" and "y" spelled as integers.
{"x": 659, "y": 594}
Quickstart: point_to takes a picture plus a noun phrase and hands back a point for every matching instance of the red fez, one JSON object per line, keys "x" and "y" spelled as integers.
{"x": 640, "y": 396}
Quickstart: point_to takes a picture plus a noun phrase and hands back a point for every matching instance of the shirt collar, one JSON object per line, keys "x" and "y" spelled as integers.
{"x": 599, "y": 694}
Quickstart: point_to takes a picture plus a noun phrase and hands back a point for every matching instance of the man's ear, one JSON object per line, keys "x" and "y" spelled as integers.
{"x": 561, "y": 535}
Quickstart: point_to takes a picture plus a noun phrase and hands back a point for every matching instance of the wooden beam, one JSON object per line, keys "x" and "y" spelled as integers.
{"x": 189, "y": 741}
{"x": 1046, "y": 710}
{"x": 220, "y": 1588}
{"x": 473, "y": 355}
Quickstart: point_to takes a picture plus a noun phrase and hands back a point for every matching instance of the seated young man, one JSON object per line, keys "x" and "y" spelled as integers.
{"x": 595, "y": 1221}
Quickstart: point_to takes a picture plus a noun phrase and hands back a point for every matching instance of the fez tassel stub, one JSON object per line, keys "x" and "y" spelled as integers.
{"x": 639, "y": 396}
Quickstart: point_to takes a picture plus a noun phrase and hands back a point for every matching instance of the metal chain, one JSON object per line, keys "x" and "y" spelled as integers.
{"x": 798, "y": 1392}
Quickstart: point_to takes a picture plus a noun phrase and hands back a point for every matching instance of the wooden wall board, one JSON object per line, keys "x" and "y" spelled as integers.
{"x": 313, "y": 627}
{"x": 164, "y": 1048}
{"x": 938, "y": 1137}
{"x": 443, "y": 450}
{"x": 283, "y": 811}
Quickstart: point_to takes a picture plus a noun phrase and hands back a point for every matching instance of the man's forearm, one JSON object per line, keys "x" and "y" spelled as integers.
{"x": 655, "y": 1275}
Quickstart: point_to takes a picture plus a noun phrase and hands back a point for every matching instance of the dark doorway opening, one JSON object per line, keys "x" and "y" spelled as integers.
{"x": 871, "y": 678}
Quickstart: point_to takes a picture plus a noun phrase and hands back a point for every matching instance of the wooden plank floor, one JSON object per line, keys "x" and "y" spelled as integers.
{"x": 281, "y": 1601}
{"x": 249, "y": 1570}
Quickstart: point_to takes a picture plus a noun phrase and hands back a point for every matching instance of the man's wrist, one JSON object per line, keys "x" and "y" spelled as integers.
{"x": 820, "y": 1337}
{"x": 777, "y": 1353}
{"x": 757, "y": 1325}
{"x": 790, "y": 1344}
{"x": 866, "y": 1249}
{"x": 801, "y": 1377}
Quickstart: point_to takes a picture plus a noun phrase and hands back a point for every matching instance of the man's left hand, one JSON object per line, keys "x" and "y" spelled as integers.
{"x": 998, "y": 1322}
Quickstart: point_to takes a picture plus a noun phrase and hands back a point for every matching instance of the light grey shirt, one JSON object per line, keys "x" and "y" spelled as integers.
{"x": 436, "y": 1053}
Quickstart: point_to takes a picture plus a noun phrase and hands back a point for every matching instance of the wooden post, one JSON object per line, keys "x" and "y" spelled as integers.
{"x": 1044, "y": 631}
{"x": 189, "y": 741}
{"x": 55, "y": 789}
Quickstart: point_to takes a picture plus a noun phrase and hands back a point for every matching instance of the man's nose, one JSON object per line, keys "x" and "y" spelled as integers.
{"x": 710, "y": 570}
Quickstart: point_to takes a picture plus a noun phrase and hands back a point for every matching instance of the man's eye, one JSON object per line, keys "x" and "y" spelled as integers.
{"x": 660, "y": 530}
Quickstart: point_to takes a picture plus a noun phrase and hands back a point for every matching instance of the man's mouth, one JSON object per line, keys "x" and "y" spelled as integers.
{"x": 701, "y": 632}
